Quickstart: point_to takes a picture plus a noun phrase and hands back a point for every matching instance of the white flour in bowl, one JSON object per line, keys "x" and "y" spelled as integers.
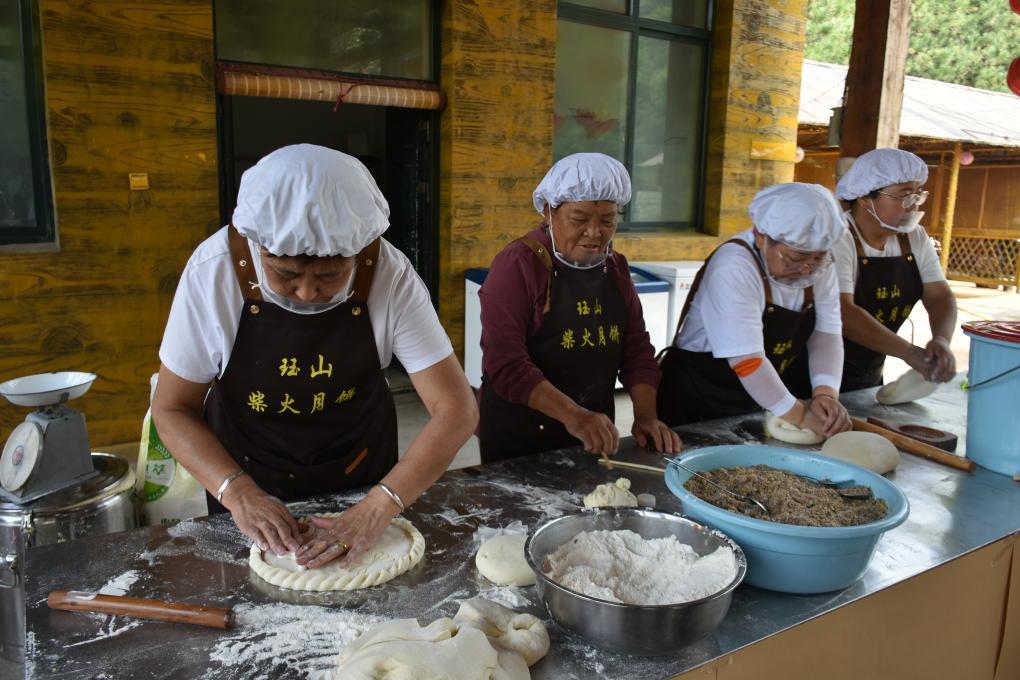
{"x": 621, "y": 566}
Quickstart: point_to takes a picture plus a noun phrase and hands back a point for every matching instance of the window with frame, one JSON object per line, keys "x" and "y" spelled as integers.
{"x": 26, "y": 213}
{"x": 632, "y": 83}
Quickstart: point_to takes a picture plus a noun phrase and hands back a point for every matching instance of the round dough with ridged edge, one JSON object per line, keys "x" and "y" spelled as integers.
{"x": 777, "y": 428}
{"x": 399, "y": 548}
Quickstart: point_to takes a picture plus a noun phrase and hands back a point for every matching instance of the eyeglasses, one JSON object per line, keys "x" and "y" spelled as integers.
{"x": 812, "y": 263}
{"x": 908, "y": 201}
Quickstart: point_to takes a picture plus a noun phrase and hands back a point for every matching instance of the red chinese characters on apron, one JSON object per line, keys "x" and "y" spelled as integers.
{"x": 303, "y": 406}
{"x": 578, "y": 348}
{"x": 697, "y": 386}
{"x": 887, "y": 288}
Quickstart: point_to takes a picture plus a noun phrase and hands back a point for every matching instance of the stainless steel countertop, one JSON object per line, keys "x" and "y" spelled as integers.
{"x": 205, "y": 561}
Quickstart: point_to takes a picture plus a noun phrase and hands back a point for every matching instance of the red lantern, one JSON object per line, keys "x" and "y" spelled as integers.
{"x": 1015, "y": 4}
{"x": 1013, "y": 75}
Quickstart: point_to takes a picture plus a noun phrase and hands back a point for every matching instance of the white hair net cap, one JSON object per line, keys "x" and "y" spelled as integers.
{"x": 880, "y": 168}
{"x": 802, "y": 216}
{"x": 583, "y": 177}
{"x": 310, "y": 200}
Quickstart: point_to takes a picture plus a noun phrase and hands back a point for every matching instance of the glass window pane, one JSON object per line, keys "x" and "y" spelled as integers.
{"x": 618, "y": 6}
{"x": 591, "y": 90}
{"x": 392, "y": 38}
{"x": 680, "y": 12}
{"x": 17, "y": 186}
{"x": 667, "y": 131}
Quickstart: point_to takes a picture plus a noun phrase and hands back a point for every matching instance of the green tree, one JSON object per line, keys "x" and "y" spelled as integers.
{"x": 956, "y": 41}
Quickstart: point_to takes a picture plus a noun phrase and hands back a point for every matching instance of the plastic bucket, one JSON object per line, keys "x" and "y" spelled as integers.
{"x": 993, "y": 395}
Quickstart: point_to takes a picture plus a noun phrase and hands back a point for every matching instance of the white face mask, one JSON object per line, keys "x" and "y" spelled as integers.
{"x": 907, "y": 224}
{"x": 597, "y": 261}
{"x": 795, "y": 282}
{"x": 296, "y": 306}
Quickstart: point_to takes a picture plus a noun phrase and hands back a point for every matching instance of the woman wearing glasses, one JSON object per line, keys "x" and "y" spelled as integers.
{"x": 761, "y": 326}
{"x": 561, "y": 320}
{"x": 885, "y": 264}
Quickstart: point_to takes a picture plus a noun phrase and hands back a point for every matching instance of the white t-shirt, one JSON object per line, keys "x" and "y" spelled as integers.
{"x": 725, "y": 317}
{"x": 920, "y": 246}
{"x": 206, "y": 311}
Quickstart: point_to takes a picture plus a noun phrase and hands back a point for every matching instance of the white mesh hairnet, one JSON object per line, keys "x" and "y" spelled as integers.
{"x": 583, "y": 177}
{"x": 802, "y": 216}
{"x": 880, "y": 168}
{"x": 310, "y": 200}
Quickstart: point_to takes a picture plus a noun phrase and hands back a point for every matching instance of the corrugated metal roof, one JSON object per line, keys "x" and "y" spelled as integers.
{"x": 931, "y": 108}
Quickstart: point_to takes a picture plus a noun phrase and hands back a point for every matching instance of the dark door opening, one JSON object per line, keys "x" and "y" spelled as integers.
{"x": 395, "y": 144}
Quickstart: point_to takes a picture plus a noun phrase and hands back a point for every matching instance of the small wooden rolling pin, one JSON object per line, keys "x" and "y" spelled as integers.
{"x": 157, "y": 610}
{"x": 904, "y": 443}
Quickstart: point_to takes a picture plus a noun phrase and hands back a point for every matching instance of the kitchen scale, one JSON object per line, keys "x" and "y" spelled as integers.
{"x": 50, "y": 450}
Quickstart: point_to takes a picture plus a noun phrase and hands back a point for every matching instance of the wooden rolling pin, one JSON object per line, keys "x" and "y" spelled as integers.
{"x": 157, "y": 610}
{"x": 908, "y": 445}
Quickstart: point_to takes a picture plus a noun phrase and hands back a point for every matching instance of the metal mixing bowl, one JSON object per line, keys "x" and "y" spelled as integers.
{"x": 627, "y": 628}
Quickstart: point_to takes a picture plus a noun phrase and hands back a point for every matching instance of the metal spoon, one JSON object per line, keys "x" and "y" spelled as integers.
{"x": 855, "y": 492}
{"x": 746, "y": 499}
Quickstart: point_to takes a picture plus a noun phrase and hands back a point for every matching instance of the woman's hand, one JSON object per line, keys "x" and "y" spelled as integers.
{"x": 654, "y": 432}
{"x": 920, "y": 360}
{"x": 596, "y": 431}
{"x": 350, "y": 535}
{"x": 832, "y": 414}
{"x": 941, "y": 358}
{"x": 261, "y": 517}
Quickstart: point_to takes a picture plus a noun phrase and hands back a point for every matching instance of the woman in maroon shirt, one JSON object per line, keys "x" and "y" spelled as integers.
{"x": 561, "y": 320}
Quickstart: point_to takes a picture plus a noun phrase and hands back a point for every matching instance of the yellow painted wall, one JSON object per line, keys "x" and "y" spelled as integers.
{"x": 129, "y": 88}
{"x": 498, "y": 71}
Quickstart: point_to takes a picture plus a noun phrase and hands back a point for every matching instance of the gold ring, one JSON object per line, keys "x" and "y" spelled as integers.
{"x": 346, "y": 546}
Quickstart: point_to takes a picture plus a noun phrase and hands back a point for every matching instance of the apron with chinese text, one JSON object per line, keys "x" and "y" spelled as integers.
{"x": 303, "y": 406}
{"x": 887, "y": 288}
{"x": 578, "y": 348}
{"x": 697, "y": 386}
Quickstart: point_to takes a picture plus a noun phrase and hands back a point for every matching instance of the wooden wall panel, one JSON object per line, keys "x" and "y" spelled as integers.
{"x": 129, "y": 88}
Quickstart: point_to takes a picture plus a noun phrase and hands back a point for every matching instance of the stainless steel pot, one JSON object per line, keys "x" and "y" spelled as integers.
{"x": 626, "y": 628}
{"x": 102, "y": 505}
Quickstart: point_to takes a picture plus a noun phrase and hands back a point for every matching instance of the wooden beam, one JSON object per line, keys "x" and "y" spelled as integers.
{"x": 874, "y": 83}
{"x": 947, "y": 232}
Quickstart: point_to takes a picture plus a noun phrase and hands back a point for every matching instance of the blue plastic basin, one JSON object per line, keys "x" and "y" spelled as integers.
{"x": 787, "y": 557}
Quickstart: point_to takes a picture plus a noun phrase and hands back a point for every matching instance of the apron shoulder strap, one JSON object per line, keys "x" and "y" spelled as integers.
{"x": 701, "y": 273}
{"x": 368, "y": 260}
{"x": 240, "y": 257}
{"x": 542, "y": 253}
{"x": 904, "y": 240}
{"x": 857, "y": 243}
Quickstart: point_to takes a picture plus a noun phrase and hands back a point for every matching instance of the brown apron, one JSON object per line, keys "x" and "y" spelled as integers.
{"x": 578, "y": 348}
{"x": 887, "y": 288}
{"x": 303, "y": 406}
{"x": 697, "y": 386}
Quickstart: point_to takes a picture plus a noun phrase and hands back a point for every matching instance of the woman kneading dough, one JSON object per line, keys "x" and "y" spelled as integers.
{"x": 885, "y": 264}
{"x": 561, "y": 320}
{"x": 291, "y": 312}
{"x": 761, "y": 326}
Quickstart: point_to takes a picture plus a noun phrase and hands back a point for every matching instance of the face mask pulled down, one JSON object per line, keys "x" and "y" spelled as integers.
{"x": 907, "y": 223}
{"x": 296, "y": 306}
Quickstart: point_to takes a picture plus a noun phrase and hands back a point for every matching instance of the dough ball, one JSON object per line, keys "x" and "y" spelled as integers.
{"x": 501, "y": 560}
{"x": 521, "y": 633}
{"x": 402, "y": 649}
{"x": 867, "y": 449}
{"x": 611, "y": 495}
{"x": 910, "y": 386}
{"x": 777, "y": 428}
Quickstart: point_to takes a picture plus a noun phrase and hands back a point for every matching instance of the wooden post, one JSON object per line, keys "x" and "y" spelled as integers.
{"x": 874, "y": 81}
{"x": 947, "y": 232}
{"x": 936, "y": 208}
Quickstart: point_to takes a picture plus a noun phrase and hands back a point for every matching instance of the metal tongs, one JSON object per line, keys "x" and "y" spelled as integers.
{"x": 746, "y": 499}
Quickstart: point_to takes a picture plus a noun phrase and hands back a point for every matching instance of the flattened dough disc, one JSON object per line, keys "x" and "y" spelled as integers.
{"x": 910, "y": 386}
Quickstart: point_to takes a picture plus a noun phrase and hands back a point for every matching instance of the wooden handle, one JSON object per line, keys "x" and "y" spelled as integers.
{"x": 609, "y": 463}
{"x": 908, "y": 445}
{"x": 157, "y": 610}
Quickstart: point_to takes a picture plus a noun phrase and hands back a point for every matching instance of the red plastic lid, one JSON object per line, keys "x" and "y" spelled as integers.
{"x": 1007, "y": 331}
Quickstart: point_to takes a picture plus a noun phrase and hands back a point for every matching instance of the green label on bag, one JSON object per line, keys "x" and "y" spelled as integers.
{"x": 160, "y": 468}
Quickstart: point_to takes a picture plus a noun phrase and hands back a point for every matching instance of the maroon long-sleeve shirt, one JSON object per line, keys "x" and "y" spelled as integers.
{"x": 512, "y": 299}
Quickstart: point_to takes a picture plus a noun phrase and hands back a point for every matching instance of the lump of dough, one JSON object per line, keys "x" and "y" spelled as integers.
{"x": 910, "y": 386}
{"x": 611, "y": 495}
{"x": 515, "y": 632}
{"x": 401, "y": 649}
{"x": 867, "y": 449}
{"x": 777, "y": 428}
{"x": 501, "y": 560}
